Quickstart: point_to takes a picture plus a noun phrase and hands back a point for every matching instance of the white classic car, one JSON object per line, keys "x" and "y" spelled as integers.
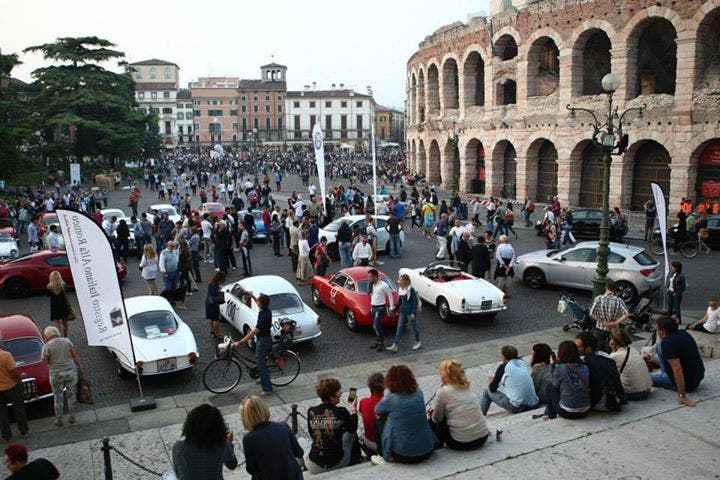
{"x": 455, "y": 292}
{"x": 163, "y": 343}
{"x": 8, "y": 248}
{"x": 330, "y": 230}
{"x": 161, "y": 208}
{"x": 108, "y": 213}
{"x": 241, "y": 310}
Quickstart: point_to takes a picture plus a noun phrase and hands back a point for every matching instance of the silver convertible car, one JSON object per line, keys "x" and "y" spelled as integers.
{"x": 633, "y": 269}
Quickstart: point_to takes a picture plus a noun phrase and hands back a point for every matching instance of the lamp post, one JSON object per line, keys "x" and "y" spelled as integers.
{"x": 609, "y": 137}
{"x": 455, "y": 179}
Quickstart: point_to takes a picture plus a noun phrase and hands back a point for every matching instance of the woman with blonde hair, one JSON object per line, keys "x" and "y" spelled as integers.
{"x": 264, "y": 436}
{"x": 149, "y": 268}
{"x": 60, "y": 310}
{"x": 64, "y": 364}
{"x": 456, "y": 417}
{"x": 407, "y": 307}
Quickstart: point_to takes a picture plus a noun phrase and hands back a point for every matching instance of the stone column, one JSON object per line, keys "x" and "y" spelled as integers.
{"x": 565, "y": 84}
{"x": 685, "y": 79}
{"x": 526, "y": 177}
{"x": 567, "y": 183}
{"x": 493, "y": 173}
{"x": 621, "y": 179}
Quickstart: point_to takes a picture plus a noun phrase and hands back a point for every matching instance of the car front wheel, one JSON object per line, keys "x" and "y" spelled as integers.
{"x": 443, "y": 308}
{"x": 315, "y": 293}
{"x": 534, "y": 278}
{"x": 351, "y": 320}
{"x": 17, "y": 288}
{"x": 627, "y": 292}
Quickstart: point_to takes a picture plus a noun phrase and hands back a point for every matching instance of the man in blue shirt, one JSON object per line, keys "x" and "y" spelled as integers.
{"x": 513, "y": 374}
{"x": 440, "y": 231}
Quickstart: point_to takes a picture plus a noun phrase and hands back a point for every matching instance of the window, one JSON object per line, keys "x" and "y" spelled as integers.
{"x": 359, "y": 124}
{"x": 615, "y": 258}
{"x": 339, "y": 279}
{"x": 196, "y": 126}
{"x": 141, "y": 95}
{"x": 328, "y": 104}
{"x": 167, "y": 111}
{"x": 214, "y": 102}
{"x": 153, "y": 324}
{"x": 645, "y": 259}
{"x": 280, "y": 98}
{"x": 255, "y": 123}
{"x": 267, "y": 108}
{"x": 138, "y": 73}
{"x": 196, "y": 113}
{"x": 59, "y": 261}
{"x": 179, "y": 105}
{"x": 153, "y": 95}
{"x": 208, "y": 102}
{"x": 233, "y": 113}
{"x": 279, "y": 108}
{"x": 142, "y": 110}
{"x": 296, "y": 104}
{"x": 328, "y": 124}
{"x": 312, "y": 104}
{"x": 166, "y": 73}
{"x": 254, "y": 99}
{"x": 180, "y": 116}
{"x": 188, "y": 105}
{"x": 280, "y": 124}
{"x": 243, "y": 109}
{"x": 255, "y": 108}
{"x": 153, "y": 73}
{"x": 154, "y": 110}
{"x": 343, "y": 104}
{"x": 580, "y": 255}
{"x": 215, "y": 127}
{"x": 267, "y": 124}
{"x": 168, "y": 127}
{"x": 166, "y": 95}
{"x": 244, "y": 123}
{"x": 242, "y": 99}
{"x": 267, "y": 98}
{"x": 359, "y": 104}
{"x": 234, "y": 126}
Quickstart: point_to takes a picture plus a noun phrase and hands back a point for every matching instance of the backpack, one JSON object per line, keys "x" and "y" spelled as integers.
{"x": 509, "y": 216}
{"x": 531, "y": 207}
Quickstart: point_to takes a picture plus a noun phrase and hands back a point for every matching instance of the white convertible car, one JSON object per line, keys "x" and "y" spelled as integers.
{"x": 455, "y": 292}
{"x": 383, "y": 237}
{"x": 163, "y": 342}
{"x": 241, "y": 310}
{"x": 8, "y": 247}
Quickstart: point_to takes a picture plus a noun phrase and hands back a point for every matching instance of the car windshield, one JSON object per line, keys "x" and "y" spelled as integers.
{"x": 214, "y": 208}
{"x": 645, "y": 259}
{"x": 50, "y": 219}
{"x": 153, "y": 324}
{"x": 4, "y": 237}
{"x": 363, "y": 286}
{"x": 25, "y": 350}
{"x": 4, "y": 222}
{"x": 285, "y": 304}
{"x": 332, "y": 227}
{"x": 169, "y": 210}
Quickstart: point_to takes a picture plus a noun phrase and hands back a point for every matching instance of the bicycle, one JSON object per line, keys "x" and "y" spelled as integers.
{"x": 688, "y": 247}
{"x": 224, "y": 373}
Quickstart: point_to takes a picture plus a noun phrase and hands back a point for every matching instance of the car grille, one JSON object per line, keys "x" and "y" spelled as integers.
{"x": 486, "y": 305}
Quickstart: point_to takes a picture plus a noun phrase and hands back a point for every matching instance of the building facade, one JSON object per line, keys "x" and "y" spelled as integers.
{"x": 262, "y": 106}
{"x": 389, "y": 125}
{"x": 343, "y": 114}
{"x": 184, "y": 116}
{"x": 502, "y": 84}
{"x": 156, "y": 85}
{"x": 215, "y": 110}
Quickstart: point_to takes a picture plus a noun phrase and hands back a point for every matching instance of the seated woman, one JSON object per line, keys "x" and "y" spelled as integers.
{"x": 634, "y": 374}
{"x": 540, "y": 370}
{"x": 456, "y": 417}
{"x": 333, "y": 429}
{"x": 376, "y": 384}
{"x": 569, "y": 393}
{"x": 406, "y": 435}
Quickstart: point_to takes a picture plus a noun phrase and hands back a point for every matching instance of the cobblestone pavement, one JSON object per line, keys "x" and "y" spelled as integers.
{"x": 528, "y": 311}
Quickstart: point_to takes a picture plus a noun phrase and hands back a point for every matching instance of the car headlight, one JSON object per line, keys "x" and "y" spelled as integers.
{"x": 13, "y": 253}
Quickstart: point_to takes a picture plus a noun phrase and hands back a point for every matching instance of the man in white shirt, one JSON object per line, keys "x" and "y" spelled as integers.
{"x": 362, "y": 253}
{"x": 49, "y": 204}
{"x": 206, "y": 227}
{"x": 53, "y": 239}
{"x": 710, "y": 322}
{"x": 381, "y": 301}
{"x": 505, "y": 269}
{"x": 298, "y": 207}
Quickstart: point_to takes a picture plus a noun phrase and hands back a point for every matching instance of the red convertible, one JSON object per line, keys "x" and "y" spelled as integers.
{"x": 22, "y": 338}
{"x": 347, "y": 293}
{"x": 31, "y": 273}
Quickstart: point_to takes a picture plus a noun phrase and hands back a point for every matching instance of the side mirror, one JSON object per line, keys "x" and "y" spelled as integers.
{"x": 561, "y": 259}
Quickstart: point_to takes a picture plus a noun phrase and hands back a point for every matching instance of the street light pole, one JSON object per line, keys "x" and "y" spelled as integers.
{"x": 454, "y": 140}
{"x": 609, "y": 137}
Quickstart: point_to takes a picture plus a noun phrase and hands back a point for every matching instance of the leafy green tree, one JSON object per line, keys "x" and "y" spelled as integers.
{"x": 15, "y": 127}
{"x": 89, "y": 108}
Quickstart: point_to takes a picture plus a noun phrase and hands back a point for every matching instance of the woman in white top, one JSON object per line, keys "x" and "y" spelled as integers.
{"x": 710, "y": 322}
{"x": 304, "y": 268}
{"x": 633, "y": 370}
{"x": 149, "y": 268}
{"x": 456, "y": 417}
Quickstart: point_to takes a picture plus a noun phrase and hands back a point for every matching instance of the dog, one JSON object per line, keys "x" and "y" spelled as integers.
{"x": 175, "y": 296}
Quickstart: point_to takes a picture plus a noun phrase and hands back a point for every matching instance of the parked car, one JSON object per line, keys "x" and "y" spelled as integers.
{"x": 108, "y": 213}
{"x": 30, "y": 274}
{"x": 22, "y": 338}
{"x": 46, "y": 220}
{"x": 132, "y": 245}
{"x": 261, "y": 232}
{"x": 162, "y": 341}
{"x": 633, "y": 269}
{"x": 454, "y": 292}
{"x": 713, "y": 240}
{"x": 330, "y": 230}
{"x": 241, "y": 311}
{"x": 347, "y": 293}
{"x": 161, "y": 208}
{"x": 8, "y": 227}
{"x": 9, "y": 248}
{"x": 215, "y": 209}
{"x": 586, "y": 224}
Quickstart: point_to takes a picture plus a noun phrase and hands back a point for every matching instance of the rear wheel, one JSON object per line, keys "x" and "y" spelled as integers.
{"x": 627, "y": 292}
{"x": 222, "y": 375}
{"x": 351, "y": 320}
{"x": 315, "y": 294}
{"x": 443, "y": 308}
{"x": 534, "y": 278}
{"x": 656, "y": 245}
{"x": 122, "y": 373}
{"x": 17, "y": 288}
{"x": 689, "y": 249}
{"x": 285, "y": 369}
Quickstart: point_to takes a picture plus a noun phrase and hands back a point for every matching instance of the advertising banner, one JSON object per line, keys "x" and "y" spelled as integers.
{"x": 319, "y": 146}
{"x": 661, "y": 210}
{"x": 75, "y": 174}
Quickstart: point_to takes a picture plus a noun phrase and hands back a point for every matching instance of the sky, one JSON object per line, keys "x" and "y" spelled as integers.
{"x": 358, "y": 43}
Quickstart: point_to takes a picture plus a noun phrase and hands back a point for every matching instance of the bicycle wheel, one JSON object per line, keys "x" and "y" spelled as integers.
{"x": 689, "y": 249}
{"x": 656, "y": 245}
{"x": 285, "y": 369}
{"x": 222, "y": 375}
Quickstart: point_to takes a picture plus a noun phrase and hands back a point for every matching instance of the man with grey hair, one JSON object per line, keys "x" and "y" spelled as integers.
{"x": 505, "y": 269}
{"x": 11, "y": 391}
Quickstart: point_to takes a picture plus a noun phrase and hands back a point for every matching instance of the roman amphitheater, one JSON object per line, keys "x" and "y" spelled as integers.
{"x": 502, "y": 83}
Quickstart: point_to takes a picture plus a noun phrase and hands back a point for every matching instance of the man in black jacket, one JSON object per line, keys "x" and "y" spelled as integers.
{"x": 606, "y": 390}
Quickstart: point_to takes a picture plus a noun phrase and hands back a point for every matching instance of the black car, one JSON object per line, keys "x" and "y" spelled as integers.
{"x": 713, "y": 240}
{"x": 586, "y": 224}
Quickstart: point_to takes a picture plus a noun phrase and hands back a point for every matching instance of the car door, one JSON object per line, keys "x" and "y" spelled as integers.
{"x": 333, "y": 296}
{"x": 59, "y": 263}
{"x": 568, "y": 268}
{"x": 383, "y": 235}
{"x": 423, "y": 285}
{"x": 713, "y": 240}
{"x": 238, "y": 309}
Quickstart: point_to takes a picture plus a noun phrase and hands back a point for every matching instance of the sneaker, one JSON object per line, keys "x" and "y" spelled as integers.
{"x": 392, "y": 348}
{"x": 377, "y": 460}
{"x": 416, "y": 345}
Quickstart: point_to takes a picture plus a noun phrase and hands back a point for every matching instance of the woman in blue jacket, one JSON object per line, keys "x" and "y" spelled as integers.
{"x": 407, "y": 307}
{"x": 406, "y": 436}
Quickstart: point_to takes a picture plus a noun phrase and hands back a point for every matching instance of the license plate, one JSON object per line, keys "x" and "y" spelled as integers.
{"x": 166, "y": 364}
{"x": 298, "y": 331}
{"x": 29, "y": 388}
{"x": 486, "y": 305}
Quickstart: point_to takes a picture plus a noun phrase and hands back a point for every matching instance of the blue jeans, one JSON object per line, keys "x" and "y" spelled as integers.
{"x": 675, "y": 300}
{"x": 500, "y": 229}
{"x": 661, "y": 379}
{"x": 491, "y": 225}
{"x": 377, "y": 315}
{"x": 345, "y": 255}
{"x": 170, "y": 280}
{"x": 262, "y": 349}
{"x": 395, "y": 246}
{"x": 498, "y": 397}
{"x": 528, "y": 222}
{"x": 402, "y": 321}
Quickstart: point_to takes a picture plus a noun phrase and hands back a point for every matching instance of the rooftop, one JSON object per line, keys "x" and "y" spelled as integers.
{"x": 262, "y": 85}
{"x": 326, "y": 93}
{"x": 273, "y": 65}
{"x": 154, "y": 61}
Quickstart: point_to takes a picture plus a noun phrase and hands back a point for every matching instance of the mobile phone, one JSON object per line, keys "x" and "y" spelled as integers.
{"x": 352, "y": 395}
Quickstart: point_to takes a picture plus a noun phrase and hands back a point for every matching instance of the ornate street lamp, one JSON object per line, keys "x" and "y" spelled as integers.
{"x": 454, "y": 140}
{"x": 609, "y": 137}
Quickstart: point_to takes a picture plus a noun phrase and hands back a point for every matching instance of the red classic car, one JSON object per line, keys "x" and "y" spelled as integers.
{"x": 215, "y": 209}
{"x": 44, "y": 222}
{"x": 22, "y": 338}
{"x": 347, "y": 293}
{"x": 31, "y": 273}
{"x": 8, "y": 227}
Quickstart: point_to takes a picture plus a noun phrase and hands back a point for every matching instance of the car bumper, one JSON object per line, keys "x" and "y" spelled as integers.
{"x": 306, "y": 338}
{"x": 477, "y": 310}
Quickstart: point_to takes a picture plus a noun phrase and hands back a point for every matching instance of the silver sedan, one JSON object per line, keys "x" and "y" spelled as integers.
{"x": 633, "y": 269}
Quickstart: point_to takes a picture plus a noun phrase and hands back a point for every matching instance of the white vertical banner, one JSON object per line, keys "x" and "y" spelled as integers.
{"x": 96, "y": 281}
{"x": 661, "y": 210}
{"x": 319, "y": 146}
{"x": 374, "y": 161}
{"x": 75, "y": 177}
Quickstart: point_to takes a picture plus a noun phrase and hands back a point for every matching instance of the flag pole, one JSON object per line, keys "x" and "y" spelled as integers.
{"x": 374, "y": 165}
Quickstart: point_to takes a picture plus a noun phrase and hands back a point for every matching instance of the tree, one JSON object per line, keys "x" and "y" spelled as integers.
{"x": 15, "y": 121}
{"x": 88, "y": 108}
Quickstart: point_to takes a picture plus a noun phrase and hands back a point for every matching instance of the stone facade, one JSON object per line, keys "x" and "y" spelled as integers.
{"x": 502, "y": 84}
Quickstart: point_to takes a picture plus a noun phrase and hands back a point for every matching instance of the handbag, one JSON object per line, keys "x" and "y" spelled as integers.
{"x": 69, "y": 311}
{"x": 84, "y": 391}
{"x": 217, "y": 299}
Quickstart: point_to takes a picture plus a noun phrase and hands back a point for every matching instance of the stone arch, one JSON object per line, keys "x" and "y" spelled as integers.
{"x": 504, "y": 158}
{"x": 542, "y": 169}
{"x": 591, "y": 59}
{"x": 433, "y": 163}
{"x": 650, "y": 162}
{"x": 474, "y": 80}
{"x": 433, "y": 89}
{"x": 421, "y": 159}
{"x": 474, "y": 161}
{"x": 506, "y": 91}
{"x": 421, "y": 97}
{"x": 704, "y": 164}
{"x": 707, "y": 50}
{"x": 505, "y": 43}
{"x": 586, "y": 165}
{"x": 450, "y": 84}
{"x": 543, "y": 67}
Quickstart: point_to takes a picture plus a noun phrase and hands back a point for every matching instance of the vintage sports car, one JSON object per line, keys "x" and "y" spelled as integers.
{"x": 347, "y": 293}
{"x": 8, "y": 227}
{"x": 455, "y": 292}
{"x": 30, "y": 274}
{"x": 330, "y": 230}
{"x": 22, "y": 338}
{"x": 163, "y": 342}
{"x": 215, "y": 209}
{"x": 46, "y": 220}
{"x": 241, "y": 310}
{"x": 161, "y": 208}
{"x": 8, "y": 247}
{"x": 108, "y": 213}
{"x": 261, "y": 232}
